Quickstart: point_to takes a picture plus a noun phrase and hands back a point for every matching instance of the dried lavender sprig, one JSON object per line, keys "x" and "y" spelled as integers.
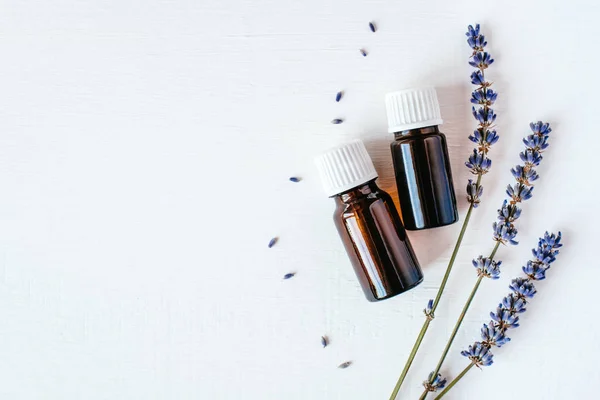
{"x": 505, "y": 317}
{"x": 505, "y": 231}
{"x": 478, "y": 163}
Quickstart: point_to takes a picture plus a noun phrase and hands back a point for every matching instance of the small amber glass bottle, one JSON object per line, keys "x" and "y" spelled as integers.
{"x": 368, "y": 223}
{"x": 421, "y": 162}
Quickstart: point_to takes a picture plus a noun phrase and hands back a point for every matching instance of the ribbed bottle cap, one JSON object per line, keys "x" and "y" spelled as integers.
{"x": 345, "y": 167}
{"x": 412, "y": 109}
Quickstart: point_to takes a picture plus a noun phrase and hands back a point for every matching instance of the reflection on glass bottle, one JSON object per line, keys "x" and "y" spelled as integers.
{"x": 421, "y": 162}
{"x": 368, "y": 223}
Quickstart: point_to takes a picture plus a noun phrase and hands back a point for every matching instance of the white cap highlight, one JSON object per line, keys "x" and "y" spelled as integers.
{"x": 412, "y": 109}
{"x": 345, "y": 167}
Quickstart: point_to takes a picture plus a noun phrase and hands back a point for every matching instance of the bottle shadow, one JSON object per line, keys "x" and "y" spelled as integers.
{"x": 429, "y": 244}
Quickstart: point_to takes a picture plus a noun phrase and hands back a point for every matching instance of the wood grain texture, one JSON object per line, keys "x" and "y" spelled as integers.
{"x": 145, "y": 152}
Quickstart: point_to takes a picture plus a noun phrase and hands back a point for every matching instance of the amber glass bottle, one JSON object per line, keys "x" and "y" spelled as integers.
{"x": 368, "y": 223}
{"x": 421, "y": 162}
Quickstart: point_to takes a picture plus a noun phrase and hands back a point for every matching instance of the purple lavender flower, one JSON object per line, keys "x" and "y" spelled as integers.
{"x": 479, "y": 354}
{"x": 509, "y": 213}
{"x": 505, "y": 233}
{"x": 484, "y": 138}
{"x": 478, "y": 79}
{"x": 429, "y": 309}
{"x": 519, "y": 192}
{"x": 478, "y": 163}
{"x": 493, "y": 336}
{"x": 486, "y": 117}
{"x": 551, "y": 240}
{"x": 433, "y": 384}
{"x": 531, "y": 157}
{"x": 481, "y": 60}
{"x": 513, "y": 303}
{"x": 474, "y": 193}
{"x": 473, "y": 32}
{"x": 540, "y": 128}
{"x": 536, "y": 143}
{"x": 524, "y": 175}
{"x": 523, "y": 288}
{"x": 487, "y": 267}
{"x": 504, "y": 319}
{"x": 484, "y": 96}
{"x": 535, "y": 270}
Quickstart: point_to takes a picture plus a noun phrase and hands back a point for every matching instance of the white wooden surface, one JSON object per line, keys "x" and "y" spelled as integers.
{"x": 145, "y": 149}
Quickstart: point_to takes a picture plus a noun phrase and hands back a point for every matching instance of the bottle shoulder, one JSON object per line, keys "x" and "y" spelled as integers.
{"x": 361, "y": 204}
{"x": 421, "y": 137}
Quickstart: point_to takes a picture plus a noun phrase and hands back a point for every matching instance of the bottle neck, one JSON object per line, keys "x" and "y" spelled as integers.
{"x": 358, "y": 192}
{"x": 417, "y": 131}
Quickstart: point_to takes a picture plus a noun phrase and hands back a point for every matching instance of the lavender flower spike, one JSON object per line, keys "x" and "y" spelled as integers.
{"x": 483, "y": 97}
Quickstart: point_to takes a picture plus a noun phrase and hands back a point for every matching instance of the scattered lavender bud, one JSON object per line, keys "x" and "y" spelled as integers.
{"x": 372, "y": 27}
{"x": 294, "y": 179}
{"x": 363, "y": 52}
{"x": 337, "y": 121}
{"x": 324, "y": 341}
{"x": 338, "y": 96}
{"x": 345, "y": 365}
{"x": 273, "y": 241}
{"x": 289, "y": 275}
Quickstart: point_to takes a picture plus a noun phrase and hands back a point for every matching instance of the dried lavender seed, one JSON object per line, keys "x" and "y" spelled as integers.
{"x": 363, "y": 52}
{"x": 345, "y": 365}
{"x": 372, "y": 27}
{"x": 337, "y": 121}
{"x": 338, "y": 96}
{"x": 294, "y": 179}
{"x": 324, "y": 341}
{"x": 289, "y": 275}
{"x": 273, "y": 241}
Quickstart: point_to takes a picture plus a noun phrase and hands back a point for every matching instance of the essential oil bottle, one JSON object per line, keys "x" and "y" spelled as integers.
{"x": 421, "y": 162}
{"x": 368, "y": 223}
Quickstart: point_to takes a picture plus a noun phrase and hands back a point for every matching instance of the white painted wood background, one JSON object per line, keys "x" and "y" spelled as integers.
{"x": 145, "y": 148}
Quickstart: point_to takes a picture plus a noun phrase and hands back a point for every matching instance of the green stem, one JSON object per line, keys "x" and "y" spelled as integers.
{"x": 424, "y": 394}
{"x": 423, "y": 331}
{"x": 454, "y": 253}
{"x": 457, "y": 326}
{"x": 494, "y": 251}
{"x": 461, "y": 319}
{"x": 454, "y": 382}
{"x": 411, "y": 357}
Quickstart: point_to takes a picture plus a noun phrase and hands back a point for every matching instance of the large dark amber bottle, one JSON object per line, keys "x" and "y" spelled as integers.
{"x": 421, "y": 162}
{"x": 368, "y": 223}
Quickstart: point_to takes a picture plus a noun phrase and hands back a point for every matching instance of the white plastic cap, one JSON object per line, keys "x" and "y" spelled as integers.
{"x": 412, "y": 109}
{"x": 345, "y": 167}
